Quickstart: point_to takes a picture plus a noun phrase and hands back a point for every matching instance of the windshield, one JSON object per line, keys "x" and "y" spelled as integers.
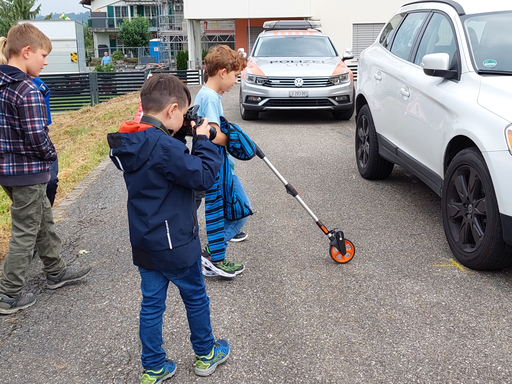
{"x": 294, "y": 46}
{"x": 490, "y": 41}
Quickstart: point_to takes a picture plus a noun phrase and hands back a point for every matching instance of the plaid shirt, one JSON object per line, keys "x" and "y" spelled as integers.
{"x": 26, "y": 150}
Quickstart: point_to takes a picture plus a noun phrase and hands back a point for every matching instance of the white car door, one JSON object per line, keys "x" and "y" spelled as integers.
{"x": 395, "y": 99}
{"x": 426, "y": 101}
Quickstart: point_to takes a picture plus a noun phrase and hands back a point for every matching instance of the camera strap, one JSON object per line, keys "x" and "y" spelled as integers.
{"x": 156, "y": 123}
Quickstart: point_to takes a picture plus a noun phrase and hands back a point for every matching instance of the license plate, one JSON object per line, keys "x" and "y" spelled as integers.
{"x": 299, "y": 93}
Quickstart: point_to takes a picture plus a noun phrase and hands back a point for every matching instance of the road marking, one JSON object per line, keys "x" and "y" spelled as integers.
{"x": 453, "y": 263}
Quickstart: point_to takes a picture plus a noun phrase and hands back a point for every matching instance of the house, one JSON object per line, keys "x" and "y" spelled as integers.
{"x": 194, "y": 25}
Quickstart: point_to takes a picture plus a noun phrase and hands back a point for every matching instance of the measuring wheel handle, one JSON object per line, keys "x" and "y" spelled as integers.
{"x": 342, "y": 250}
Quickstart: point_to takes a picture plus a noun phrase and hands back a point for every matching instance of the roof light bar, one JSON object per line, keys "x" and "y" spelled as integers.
{"x": 291, "y": 24}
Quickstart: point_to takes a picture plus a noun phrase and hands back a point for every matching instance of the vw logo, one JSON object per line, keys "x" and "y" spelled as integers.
{"x": 299, "y": 82}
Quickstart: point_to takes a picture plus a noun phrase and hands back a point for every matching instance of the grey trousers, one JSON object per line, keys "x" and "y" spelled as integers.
{"x": 32, "y": 227}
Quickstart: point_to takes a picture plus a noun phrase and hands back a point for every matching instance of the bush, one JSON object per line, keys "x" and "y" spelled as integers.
{"x": 104, "y": 68}
{"x": 118, "y": 55}
{"x": 182, "y": 60}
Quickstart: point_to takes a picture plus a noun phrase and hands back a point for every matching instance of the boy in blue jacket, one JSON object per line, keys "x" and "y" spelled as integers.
{"x": 161, "y": 176}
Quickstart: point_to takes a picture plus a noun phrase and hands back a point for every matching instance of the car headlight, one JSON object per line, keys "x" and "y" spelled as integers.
{"x": 253, "y": 79}
{"x": 338, "y": 79}
{"x": 508, "y": 137}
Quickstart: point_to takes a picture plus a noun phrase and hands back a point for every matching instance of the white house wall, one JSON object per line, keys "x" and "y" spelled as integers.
{"x": 243, "y": 9}
{"x": 101, "y": 5}
{"x": 338, "y": 16}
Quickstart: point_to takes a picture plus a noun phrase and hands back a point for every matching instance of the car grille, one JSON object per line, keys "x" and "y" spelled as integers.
{"x": 289, "y": 82}
{"x": 306, "y": 102}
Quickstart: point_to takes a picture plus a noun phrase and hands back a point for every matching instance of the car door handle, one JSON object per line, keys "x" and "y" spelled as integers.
{"x": 405, "y": 92}
{"x": 377, "y": 76}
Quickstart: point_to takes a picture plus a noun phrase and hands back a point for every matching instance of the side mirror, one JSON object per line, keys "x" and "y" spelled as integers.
{"x": 347, "y": 55}
{"x": 438, "y": 65}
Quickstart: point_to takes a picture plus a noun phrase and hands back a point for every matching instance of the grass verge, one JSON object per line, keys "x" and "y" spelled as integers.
{"x": 80, "y": 138}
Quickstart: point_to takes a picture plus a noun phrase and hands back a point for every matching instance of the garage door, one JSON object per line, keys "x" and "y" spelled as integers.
{"x": 252, "y": 35}
{"x": 363, "y": 35}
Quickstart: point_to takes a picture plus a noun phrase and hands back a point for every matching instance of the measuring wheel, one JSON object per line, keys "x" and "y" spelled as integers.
{"x": 338, "y": 257}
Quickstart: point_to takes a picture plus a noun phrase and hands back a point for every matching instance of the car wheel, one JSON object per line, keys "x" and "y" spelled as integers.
{"x": 471, "y": 218}
{"x": 369, "y": 163}
{"x": 247, "y": 115}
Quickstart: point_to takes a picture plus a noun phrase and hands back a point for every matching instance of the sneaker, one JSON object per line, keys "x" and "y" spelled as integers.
{"x": 207, "y": 272}
{"x": 67, "y": 275}
{"x": 240, "y": 236}
{"x": 153, "y": 377}
{"x": 224, "y": 268}
{"x": 10, "y": 305}
{"x": 206, "y": 365}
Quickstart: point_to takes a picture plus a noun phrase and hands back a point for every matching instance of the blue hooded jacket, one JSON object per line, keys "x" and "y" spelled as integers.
{"x": 160, "y": 176}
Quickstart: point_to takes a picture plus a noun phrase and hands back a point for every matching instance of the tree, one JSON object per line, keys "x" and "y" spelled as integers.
{"x": 88, "y": 38}
{"x": 13, "y": 11}
{"x": 135, "y": 33}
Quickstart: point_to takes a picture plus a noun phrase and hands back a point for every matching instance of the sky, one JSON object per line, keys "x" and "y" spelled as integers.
{"x": 60, "y": 6}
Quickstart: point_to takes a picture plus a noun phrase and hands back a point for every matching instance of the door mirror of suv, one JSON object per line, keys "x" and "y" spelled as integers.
{"x": 347, "y": 55}
{"x": 438, "y": 65}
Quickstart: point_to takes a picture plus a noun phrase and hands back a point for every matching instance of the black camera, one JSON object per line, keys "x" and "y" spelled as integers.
{"x": 188, "y": 118}
{"x": 187, "y": 129}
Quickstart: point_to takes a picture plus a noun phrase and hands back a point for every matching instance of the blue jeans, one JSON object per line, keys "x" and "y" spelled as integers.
{"x": 232, "y": 227}
{"x": 154, "y": 293}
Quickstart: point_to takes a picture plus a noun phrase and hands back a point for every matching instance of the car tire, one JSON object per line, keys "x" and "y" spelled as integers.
{"x": 471, "y": 219}
{"x": 370, "y": 164}
{"x": 247, "y": 115}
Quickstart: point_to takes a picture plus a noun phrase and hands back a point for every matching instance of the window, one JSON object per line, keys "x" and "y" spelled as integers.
{"x": 388, "y": 31}
{"x": 438, "y": 38}
{"x": 150, "y": 11}
{"x": 295, "y": 46}
{"x": 363, "y": 35}
{"x": 121, "y": 12}
{"x": 404, "y": 40}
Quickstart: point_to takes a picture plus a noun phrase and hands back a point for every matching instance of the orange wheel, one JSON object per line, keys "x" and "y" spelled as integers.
{"x": 338, "y": 257}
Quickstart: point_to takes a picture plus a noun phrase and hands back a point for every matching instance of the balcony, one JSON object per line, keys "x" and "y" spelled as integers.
{"x": 111, "y": 24}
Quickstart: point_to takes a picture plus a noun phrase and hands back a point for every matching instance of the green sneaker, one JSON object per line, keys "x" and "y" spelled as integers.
{"x": 224, "y": 268}
{"x": 206, "y": 365}
{"x": 150, "y": 376}
{"x": 228, "y": 266}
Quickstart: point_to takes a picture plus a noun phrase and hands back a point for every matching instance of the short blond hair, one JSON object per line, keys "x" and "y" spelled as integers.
{"x": 221, "y": 56}
{"x": 20, "y": 36}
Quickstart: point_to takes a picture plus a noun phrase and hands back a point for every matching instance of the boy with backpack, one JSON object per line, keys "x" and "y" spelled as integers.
{"x": 227, "y": 206}
{"x": 26, "y": 153}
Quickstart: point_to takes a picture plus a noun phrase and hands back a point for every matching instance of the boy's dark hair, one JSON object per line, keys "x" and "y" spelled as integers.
{"x": 23, "y": 35}
{"x": 221, "y": 56}
{"x": 163, "y": 89}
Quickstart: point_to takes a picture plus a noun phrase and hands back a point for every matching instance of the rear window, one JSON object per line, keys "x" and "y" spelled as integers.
{"x": 294, "y": 46}
{"x": 389, "y": 30}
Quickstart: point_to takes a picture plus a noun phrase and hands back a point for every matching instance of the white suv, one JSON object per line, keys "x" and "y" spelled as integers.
{"x": 293, "y": 65}
{"x": 434, "y": 95}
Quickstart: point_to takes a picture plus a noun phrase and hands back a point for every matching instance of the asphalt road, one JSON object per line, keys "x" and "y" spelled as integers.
{"x": 400, "y": 312}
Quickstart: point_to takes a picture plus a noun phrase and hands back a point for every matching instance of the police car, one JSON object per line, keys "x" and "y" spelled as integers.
{"x": 293, "y": 65}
